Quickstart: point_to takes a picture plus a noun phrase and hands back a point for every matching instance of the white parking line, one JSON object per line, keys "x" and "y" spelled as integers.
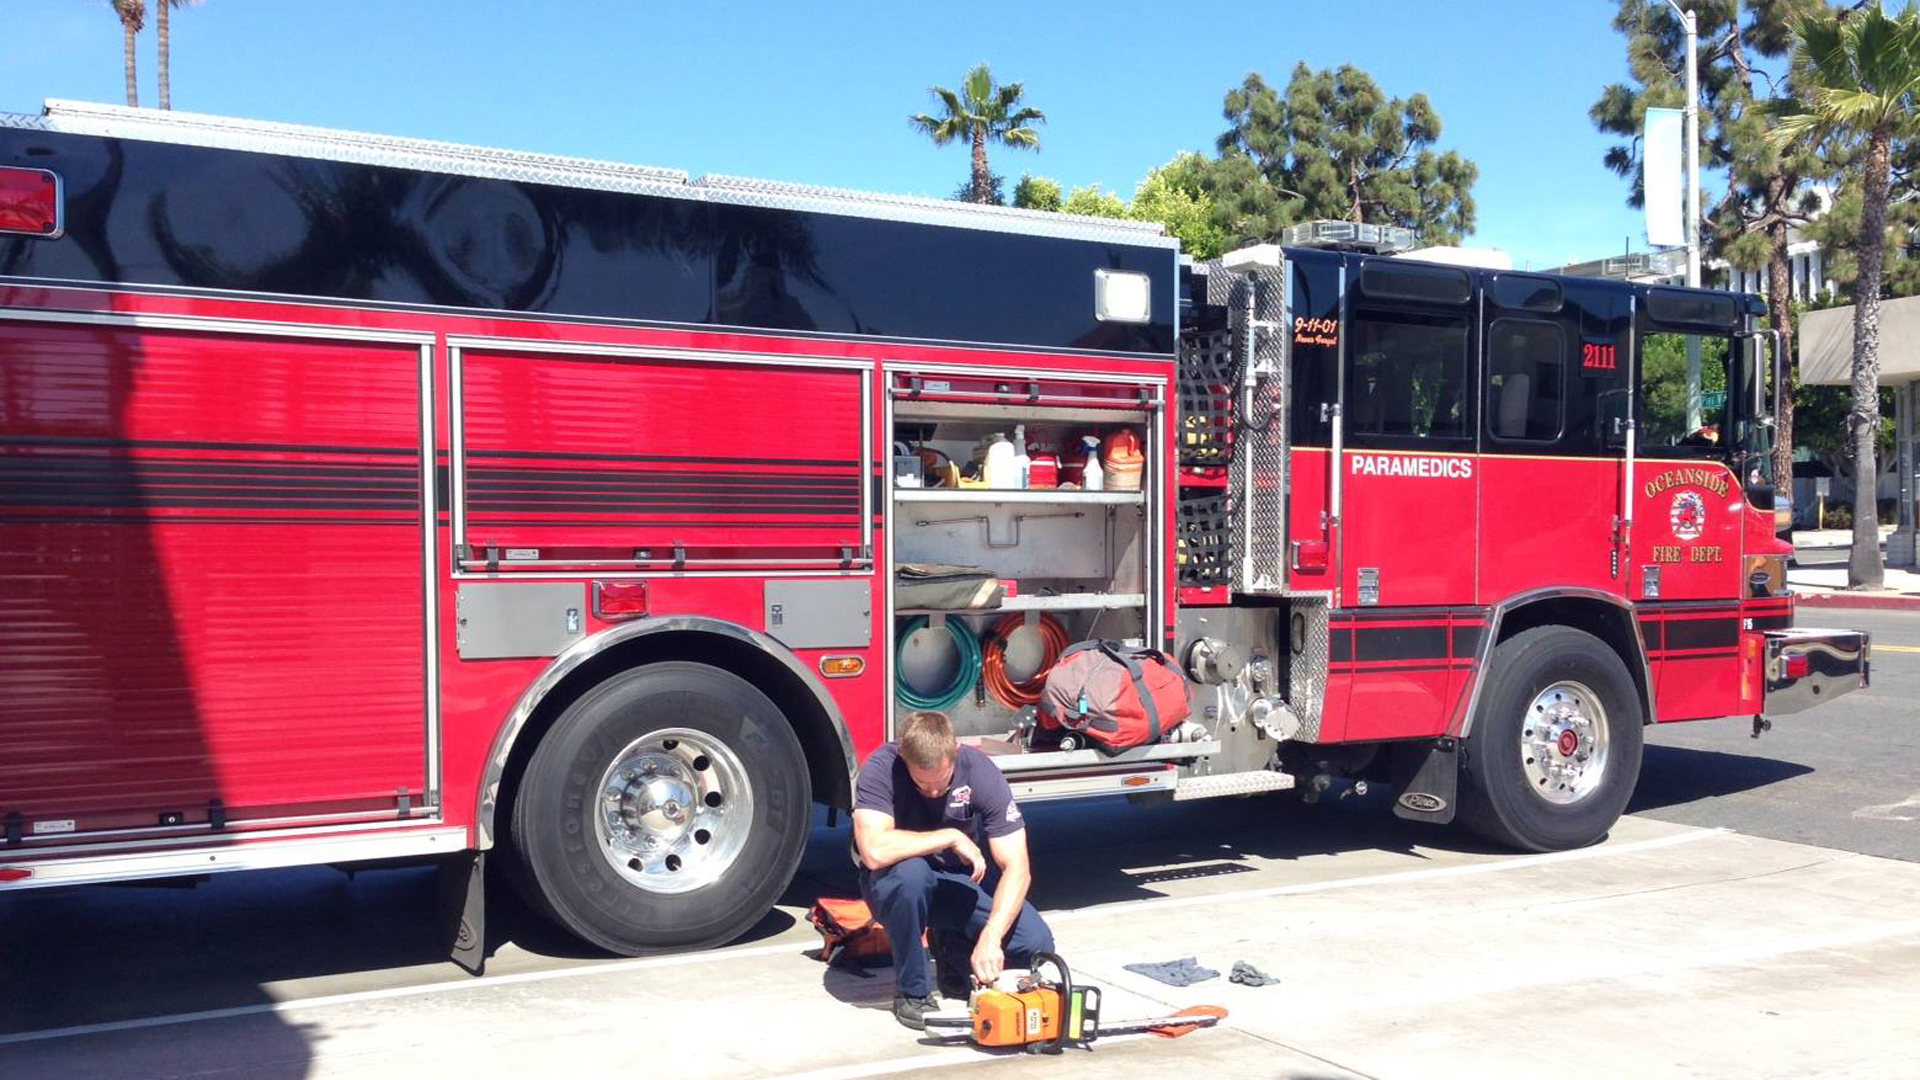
{"x": 1520, "y": 862}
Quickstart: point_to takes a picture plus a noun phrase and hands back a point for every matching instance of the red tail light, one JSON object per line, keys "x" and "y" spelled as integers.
{"x": 1310, "y": 555}
{"x": 614, "y": 600}
{"x": 11, "y": 874}
{"x": 29, "y": 202}
{"x": 1798, "y": 667}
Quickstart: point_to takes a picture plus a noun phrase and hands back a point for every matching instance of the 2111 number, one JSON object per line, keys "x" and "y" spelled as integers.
{"x": 1598, "y": 357}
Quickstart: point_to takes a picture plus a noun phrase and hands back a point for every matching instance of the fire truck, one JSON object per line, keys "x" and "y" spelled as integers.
{"x": 367, "y": 499}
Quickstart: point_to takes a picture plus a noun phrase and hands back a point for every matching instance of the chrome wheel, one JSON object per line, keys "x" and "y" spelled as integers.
{"x": 1563, "y": 743}
{"x": 674, "y": 810}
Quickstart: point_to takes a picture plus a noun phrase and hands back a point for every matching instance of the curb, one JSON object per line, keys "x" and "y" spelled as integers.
{"x": 1856, "y": 600}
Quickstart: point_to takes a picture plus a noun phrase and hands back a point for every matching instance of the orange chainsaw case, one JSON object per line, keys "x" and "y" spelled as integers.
{"x": 1016, "y": 1019}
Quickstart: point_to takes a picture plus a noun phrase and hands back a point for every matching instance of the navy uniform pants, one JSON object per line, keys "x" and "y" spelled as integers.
{"x": 912, "y": 896}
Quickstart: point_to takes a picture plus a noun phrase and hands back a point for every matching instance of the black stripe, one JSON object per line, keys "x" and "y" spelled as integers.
{"x": 1654, "y": 633}
{"x": 1400, "y": 643}
{"x": 66, "y": 464}
{"x": 1466, "y": 640}
{"x": 559, "y": 455}
{"x": 1339, "y": 645}
{"x": 1772, "y": 622}
{"x": 179, "y": 502}
{"x": 197, "y": 519}
{"x": 161, "y": 487}
{"x": 1723, "y": 654}
{"x": 1701, "y": 633}
{"x": 181, "y": 444}
{"x": 1671, "y": 608}
{"x": 1406, "y": 614}
{"x": 618, "y": 508}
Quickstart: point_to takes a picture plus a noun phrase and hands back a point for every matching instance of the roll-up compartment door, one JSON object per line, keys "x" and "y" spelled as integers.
{"x": 597, "y": 458}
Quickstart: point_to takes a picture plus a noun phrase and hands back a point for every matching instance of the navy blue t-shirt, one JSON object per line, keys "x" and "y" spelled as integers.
{"x": 978, "y": 801}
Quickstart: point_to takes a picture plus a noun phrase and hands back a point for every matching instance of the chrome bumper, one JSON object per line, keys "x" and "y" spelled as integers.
{"x": 1806, "y": 667}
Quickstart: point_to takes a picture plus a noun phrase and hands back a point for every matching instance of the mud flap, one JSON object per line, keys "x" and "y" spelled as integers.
{"x": 1427, "y": 778}
{"x": 462, "y": 893}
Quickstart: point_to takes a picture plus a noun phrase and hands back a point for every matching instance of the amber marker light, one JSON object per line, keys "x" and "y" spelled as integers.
{"x": 841, "y": 667}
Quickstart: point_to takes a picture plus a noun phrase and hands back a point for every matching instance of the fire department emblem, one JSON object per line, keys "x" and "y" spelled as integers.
{"x": 1688, "y": 516}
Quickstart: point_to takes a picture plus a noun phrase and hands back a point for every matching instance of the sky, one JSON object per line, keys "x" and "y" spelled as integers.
{"x": 819, "y": 92}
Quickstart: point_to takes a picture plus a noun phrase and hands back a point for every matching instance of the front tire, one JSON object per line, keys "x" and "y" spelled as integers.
{"x": 666, "y": 808}
{"x": 1556, "y": 744}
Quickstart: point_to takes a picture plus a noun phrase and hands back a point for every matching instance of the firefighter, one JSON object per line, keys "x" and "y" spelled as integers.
{"x": 923, "y": 809}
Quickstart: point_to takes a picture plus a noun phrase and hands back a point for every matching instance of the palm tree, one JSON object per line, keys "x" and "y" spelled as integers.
{"x": 133, "y": 16}
{"x": 1858, "y": 71}
{"x": 982, "y": 111}
{"x": 160, "y": 27}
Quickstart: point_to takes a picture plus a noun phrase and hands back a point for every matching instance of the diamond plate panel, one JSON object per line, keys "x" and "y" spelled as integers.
{"x": 1307, "y": 689}
{"x": 1260, "y": 477}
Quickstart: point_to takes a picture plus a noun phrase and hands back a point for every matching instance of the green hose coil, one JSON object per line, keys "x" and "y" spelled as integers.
{"x": 963, "y": 676}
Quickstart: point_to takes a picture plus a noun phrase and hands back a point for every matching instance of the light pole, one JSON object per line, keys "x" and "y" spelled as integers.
{"x": 1691, "y": 25}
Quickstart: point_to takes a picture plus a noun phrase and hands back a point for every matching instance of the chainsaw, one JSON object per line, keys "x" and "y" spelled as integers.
{"x": 1046, "y": 1016}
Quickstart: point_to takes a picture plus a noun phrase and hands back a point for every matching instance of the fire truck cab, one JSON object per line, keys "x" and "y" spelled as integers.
{"x": 366, "y": 499}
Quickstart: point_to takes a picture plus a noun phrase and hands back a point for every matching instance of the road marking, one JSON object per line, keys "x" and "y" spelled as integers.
{"x": 1519, "y": 862}
{"x": 1885, "y": 811}
{"x": 944, "y": 1056}
{"x": 1878, "y": 647}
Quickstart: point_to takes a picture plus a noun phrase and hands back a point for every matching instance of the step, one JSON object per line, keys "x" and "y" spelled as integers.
{"x": 1237, "y": 783}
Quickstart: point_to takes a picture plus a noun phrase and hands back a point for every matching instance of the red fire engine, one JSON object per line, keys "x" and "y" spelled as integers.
{"x": 371, "y": 499}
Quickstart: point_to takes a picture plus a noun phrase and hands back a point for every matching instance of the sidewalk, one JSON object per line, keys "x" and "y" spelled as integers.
{"x": 1825, "y": 584}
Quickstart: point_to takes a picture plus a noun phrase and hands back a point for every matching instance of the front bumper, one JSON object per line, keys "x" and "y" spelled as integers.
{"x": 1807, "y": 667}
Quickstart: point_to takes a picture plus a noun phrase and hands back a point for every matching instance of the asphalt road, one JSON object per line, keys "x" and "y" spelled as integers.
{"x": 1769, "y": 949}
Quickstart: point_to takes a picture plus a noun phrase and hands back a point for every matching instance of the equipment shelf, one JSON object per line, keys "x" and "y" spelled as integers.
{"x": 1067, "y": 602}
{"x": 1019, "y": 495}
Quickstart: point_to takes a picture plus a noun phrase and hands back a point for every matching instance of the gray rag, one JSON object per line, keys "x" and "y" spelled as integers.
{"x": 1247, "y": 975}
{"x": 1184, "y": 972}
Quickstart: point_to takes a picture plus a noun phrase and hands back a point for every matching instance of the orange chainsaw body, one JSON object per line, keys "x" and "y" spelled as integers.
{"x": 1005, "y": 1018}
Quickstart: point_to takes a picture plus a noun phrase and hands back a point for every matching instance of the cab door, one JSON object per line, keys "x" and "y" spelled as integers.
{"x": 1552, "y": 469}
{"x": 1407, "y": 477}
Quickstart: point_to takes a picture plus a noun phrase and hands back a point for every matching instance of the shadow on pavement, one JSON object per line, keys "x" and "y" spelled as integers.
{"x": 1671, "y": 775}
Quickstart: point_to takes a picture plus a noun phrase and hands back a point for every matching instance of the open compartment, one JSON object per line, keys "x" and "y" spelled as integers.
{"x": 1076, "y": 564}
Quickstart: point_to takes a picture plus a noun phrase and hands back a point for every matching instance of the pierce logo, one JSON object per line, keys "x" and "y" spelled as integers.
{"x": 1688, "y": 516}
{"x": 1421, "y": 802}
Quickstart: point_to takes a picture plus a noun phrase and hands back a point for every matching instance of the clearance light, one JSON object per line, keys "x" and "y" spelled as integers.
{"x": 1310, "y": 555}
{"x": 841, "y": 667}
{"x": 29, "y": 202}
{"x": 615, "y": 600}
{"x": 11, "y": 874}
{"x": 1121, "y": 296}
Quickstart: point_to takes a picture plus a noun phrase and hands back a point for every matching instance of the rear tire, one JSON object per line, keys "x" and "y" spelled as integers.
{"x": 666, "y": 808}
{"x": 1556, "y": 744}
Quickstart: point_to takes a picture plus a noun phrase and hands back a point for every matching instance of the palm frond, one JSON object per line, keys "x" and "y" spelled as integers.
{"x": 978, "y": 87}
{"x": 1022, "y": 138}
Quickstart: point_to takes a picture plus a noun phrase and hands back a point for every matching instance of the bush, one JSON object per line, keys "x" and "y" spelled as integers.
{"x": 1839, "y": 516}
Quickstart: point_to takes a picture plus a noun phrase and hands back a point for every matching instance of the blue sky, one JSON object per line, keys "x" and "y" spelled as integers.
{"x": 819, "y": 92}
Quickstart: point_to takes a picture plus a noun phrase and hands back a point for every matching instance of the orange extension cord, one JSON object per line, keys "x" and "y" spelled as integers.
{"x": 1015, "y": 695}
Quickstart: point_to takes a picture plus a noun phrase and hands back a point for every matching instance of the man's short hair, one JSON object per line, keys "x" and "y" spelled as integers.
{"x": 926, "y": 740}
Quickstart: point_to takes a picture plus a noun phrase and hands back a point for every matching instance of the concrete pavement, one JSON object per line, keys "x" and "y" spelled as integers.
{"x": 1667, "y": 951}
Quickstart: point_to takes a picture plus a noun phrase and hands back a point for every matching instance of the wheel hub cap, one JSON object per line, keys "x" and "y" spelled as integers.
{"x": 674, "y": 810}
{"x": 1563, "y": 743}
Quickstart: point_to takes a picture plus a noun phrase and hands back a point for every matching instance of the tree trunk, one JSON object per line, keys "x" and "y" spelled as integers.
{"x": 1780, "y": 314}
{"x": 1864, "y": 568}
{"x": 982, "y": 179}
{"x": 133, "y": 85}
{"x": 160, "y": 30}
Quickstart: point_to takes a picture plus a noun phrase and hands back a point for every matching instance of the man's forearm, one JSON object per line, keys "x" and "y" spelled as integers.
{"x": 899, "y": 845}
{"x": 1007, "y": 898}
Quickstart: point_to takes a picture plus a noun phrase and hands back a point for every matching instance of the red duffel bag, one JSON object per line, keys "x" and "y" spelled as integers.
{"x": 1117, "y": 695}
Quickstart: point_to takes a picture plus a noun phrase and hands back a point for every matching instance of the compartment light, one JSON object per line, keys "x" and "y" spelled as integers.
{"x": 29, "y": 202}
{"x": 1121, "y": 296}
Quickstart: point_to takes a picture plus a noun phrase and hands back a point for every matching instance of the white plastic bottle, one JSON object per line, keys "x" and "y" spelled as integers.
{"x": 1000, "y": 469}
{"x": 1022, "y": 464}
{"x": 1094, "y": 478}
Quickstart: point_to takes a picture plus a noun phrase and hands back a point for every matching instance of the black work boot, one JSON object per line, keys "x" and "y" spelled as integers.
{"x": 912, "y": 1011}
{"x": 952, "y": 965}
